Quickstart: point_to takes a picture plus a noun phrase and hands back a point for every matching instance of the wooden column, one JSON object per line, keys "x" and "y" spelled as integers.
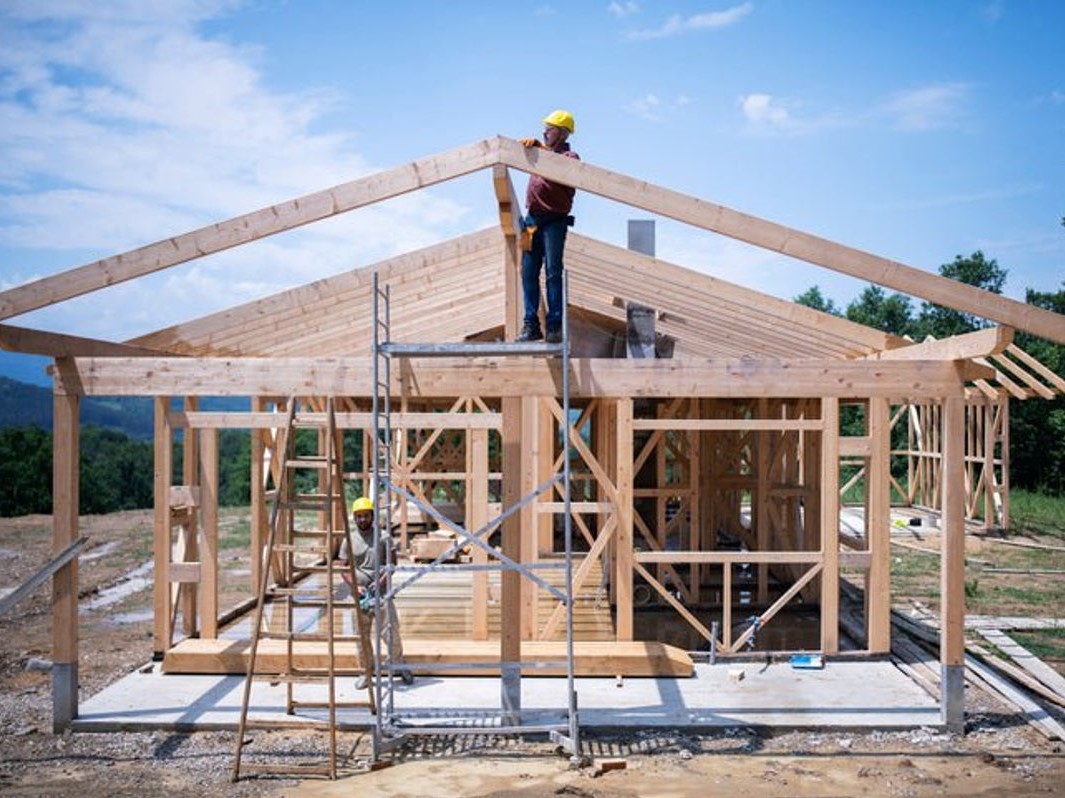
{"x": 531, "y": 418}
{"x": 952, "y": 574}
{"x": 190, "y": 476}
{"x": 830, "y": 526}
{"x": 878, "y": 525}
{"x": 65, "y": 582}
{"x": 208, "y": 467}
{"x": 510, "y": 581}
{"x": 545, "y": 461}
{"x": 164, "y": 461}
{"x": 476, "y": 517}
{"x": 760, "y": 510}
{"x": 623, "y": 484}
{"x": 259, "y": 514}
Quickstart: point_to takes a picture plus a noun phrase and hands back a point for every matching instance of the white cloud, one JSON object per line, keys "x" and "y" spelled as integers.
{"x": 623, "y": 9}
{"x": 122, "y": 123}
{"x": 677, "y": 24}
{"x": 654, "y": 109}
{"x": 933, "y": 107}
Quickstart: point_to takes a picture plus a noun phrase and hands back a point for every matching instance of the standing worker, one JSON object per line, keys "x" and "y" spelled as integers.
{"x": 548, "y": 206}
{"x": 361, "y": 551}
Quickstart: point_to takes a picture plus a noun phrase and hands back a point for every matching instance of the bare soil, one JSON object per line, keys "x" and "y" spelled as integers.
{"x": 998, "y": 756}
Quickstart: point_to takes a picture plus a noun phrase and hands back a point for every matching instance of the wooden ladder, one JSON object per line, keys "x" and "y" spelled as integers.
{"x": 298, "y": 589}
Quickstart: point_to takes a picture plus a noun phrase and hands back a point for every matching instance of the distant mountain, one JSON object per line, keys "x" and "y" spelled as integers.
{"x": 22, "y": 404}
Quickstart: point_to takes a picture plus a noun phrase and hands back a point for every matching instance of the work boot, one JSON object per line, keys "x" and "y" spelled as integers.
{"x": 406, "y": 676}
{"x": 362, "y": 682}
{"x": 554, "y": 336}
{"x": 530, "y": 332}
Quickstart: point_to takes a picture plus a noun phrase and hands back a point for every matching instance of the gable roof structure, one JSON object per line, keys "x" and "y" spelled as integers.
{"x": 459, "y": 289}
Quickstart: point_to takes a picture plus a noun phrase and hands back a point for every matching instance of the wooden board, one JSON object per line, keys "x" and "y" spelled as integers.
{"x": 607, "y": 659}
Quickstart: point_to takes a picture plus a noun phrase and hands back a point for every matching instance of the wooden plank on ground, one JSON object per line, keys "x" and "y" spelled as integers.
{"x": 1026, "y": 659}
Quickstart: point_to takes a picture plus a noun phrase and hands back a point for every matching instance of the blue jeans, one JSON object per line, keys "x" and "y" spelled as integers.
{"x": 547, "y": 244}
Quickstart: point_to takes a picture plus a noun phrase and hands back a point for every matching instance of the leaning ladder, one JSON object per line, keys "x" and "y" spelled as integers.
{"x": 392, "y": 726}
{"x": 299, "y": 590}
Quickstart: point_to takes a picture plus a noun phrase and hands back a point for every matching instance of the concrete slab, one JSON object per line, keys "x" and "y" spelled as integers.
{"x": 851, "y": 695}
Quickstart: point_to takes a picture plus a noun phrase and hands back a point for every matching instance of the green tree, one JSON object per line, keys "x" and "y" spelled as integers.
{"x": 874, "y": 308}
{"x": 25, "y": 471}
{"x": 813, "y": 298}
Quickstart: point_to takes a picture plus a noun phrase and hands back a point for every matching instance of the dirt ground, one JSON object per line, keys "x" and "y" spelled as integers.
{"x": 998, "y": 756}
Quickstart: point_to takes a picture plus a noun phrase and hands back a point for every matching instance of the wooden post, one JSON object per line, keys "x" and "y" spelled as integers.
{"x": 164, "y": 461}
{"x": 190, "y": 475}
{"x": 510, "y": 581}
{"x": 544, "y": 463}
{"x": 760, "y": 511}
{"x": 952, "y": 574}
{"x": 878, "y": 525}
{"x": 476, "y": 517}
{"x": 209, "y": 518}
{"x": 624, "y": 489}
{"x": 259, "y": 515}
{"x": 830, "y": 526}
{"x": 530, "y": 445}
{"x": 65, "y": 582}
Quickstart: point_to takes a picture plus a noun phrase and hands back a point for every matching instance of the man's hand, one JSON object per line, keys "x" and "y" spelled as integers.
{"x": 530, "y": 143}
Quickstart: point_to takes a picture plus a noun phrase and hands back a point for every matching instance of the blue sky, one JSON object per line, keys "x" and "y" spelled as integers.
{"x": 915, "y": 130}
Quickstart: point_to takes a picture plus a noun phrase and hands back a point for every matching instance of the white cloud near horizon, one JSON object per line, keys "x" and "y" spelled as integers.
{"x": 121, "y": 124}
{"x": 676, "y": 24}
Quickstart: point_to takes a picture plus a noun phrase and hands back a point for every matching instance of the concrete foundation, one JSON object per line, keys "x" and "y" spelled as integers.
{"x": 852, "y": 695}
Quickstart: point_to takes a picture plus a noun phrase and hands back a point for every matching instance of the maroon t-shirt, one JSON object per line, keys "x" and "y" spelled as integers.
{"x": 544, "y": 198}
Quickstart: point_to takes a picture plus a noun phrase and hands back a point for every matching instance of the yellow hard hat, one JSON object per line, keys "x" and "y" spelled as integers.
{"x": 362, "y": 505}
{"x": 560, "y": 118}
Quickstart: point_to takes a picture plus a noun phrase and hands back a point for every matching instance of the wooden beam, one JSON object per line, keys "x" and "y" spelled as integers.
{"x": 232, "y": 419}
{"x": 785, "y": 240}
{"x": 50, "y": 344}
{"x": 249, "y": 227}
{"x": 515, "y": 377}
{"x": 981, "y": 343}
{"x": 65, "y": 447}
{"x": 509, "y": 220}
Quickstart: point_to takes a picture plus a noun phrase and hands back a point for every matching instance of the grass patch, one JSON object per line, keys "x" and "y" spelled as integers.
{"x": 1045, "y": 644}
{"x": 1037, "y": 514}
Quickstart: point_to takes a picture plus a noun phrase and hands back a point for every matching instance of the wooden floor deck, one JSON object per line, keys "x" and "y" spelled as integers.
{"x": 436, "y": 618}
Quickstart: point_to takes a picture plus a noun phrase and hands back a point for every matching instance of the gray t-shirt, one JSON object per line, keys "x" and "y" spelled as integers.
{"x": 363, "y": 558}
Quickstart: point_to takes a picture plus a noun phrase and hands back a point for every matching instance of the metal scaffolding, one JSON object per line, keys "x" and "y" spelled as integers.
{"x": 394, "y": 725}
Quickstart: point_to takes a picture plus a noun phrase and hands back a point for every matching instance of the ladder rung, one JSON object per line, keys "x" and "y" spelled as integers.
{"x": 297, "y": 504}
{"x": 364, "y": 704}
{"x": 307, "y": 636}
{"x": 298, "y": 549}
{"x": 292, "y": 769}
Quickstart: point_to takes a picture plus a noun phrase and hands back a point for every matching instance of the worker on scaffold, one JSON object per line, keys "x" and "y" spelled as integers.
{"x": 548, "y": 205}
{"x": 361, "y": 552}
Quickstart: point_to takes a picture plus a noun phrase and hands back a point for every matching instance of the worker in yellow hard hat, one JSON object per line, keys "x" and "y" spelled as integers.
{"x": 360, "y": 549}
{"x": 548, "y": 205}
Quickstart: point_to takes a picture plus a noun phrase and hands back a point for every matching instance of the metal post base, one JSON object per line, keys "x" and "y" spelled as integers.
{"x": 64, "y": 695}
{"x": 952, "y": 691}
{"x": 510, "y": 692}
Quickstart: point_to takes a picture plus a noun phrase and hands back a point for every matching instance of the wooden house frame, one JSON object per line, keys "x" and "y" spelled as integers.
{"x": 745, "y": 411}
